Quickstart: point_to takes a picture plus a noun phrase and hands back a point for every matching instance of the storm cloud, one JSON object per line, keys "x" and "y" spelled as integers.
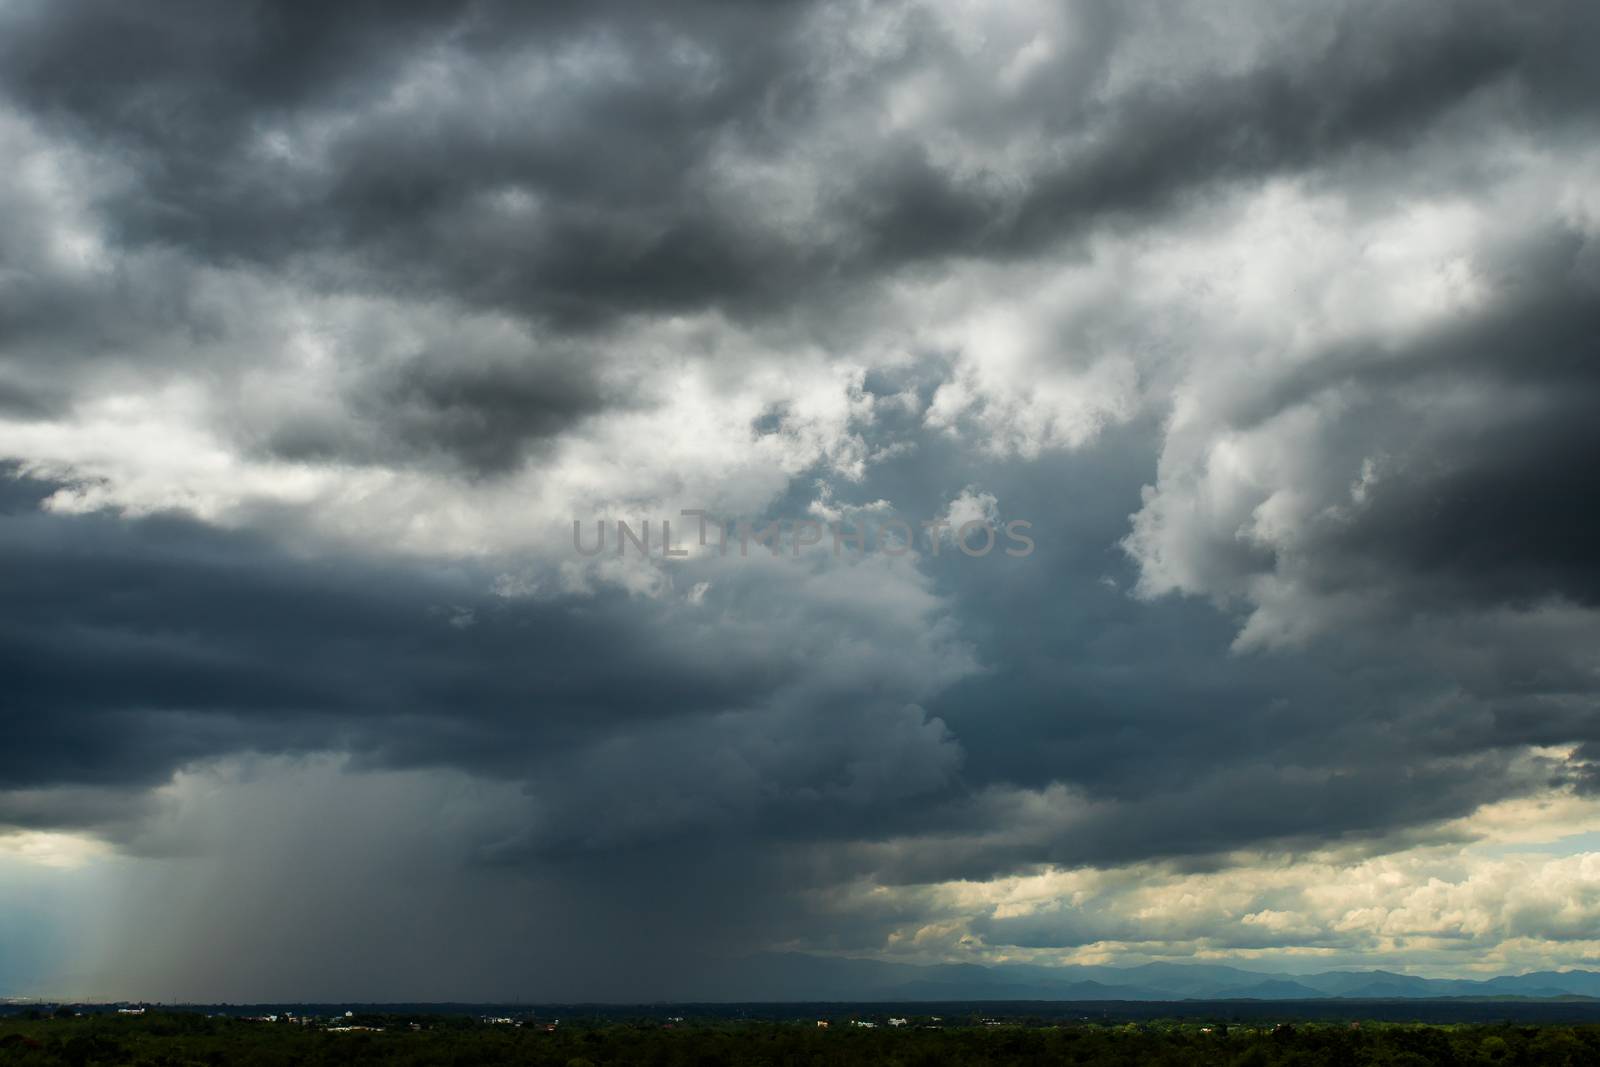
{"x": 319, "y": 328}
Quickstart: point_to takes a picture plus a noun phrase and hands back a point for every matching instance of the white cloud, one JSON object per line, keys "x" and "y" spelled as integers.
{"x": 1433, "y": 909}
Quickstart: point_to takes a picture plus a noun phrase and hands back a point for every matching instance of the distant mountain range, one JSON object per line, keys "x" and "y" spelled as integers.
{"x": 799, "y": 977}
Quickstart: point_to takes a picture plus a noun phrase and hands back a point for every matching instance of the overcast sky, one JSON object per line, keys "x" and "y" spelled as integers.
{"x": 321, "y": 324}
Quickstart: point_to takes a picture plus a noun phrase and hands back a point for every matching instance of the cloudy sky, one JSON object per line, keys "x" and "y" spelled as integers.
{"x": 319, "y": 328}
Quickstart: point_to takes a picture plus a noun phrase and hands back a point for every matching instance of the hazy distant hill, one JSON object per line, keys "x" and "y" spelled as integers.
{"x": 1274, "y": 989}
{"x": 795, "y": 976}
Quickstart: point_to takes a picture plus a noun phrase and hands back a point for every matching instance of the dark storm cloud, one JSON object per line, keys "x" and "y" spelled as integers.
{"x": 1501, "y": 509}
{"x": 481, "y": 414}
{"x": 617, "y": 166}
{"x": 1143, "y": 712}
{"x": 479, "y": 202}
{"x": 18, "y": 402}
{"x": 184, "y": 96}
{"x": 1514, "y": 523}
{"x": 1491, "y": 506}
{"x": 571, "y": 164}
{"x": 134, "y": 648}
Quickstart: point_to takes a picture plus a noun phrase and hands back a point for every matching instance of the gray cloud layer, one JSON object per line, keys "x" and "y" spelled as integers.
{"x": 1276, "y": 321}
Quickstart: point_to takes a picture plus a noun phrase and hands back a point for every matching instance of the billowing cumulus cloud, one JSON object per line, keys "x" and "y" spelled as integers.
{"x": 320, "y": 329}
